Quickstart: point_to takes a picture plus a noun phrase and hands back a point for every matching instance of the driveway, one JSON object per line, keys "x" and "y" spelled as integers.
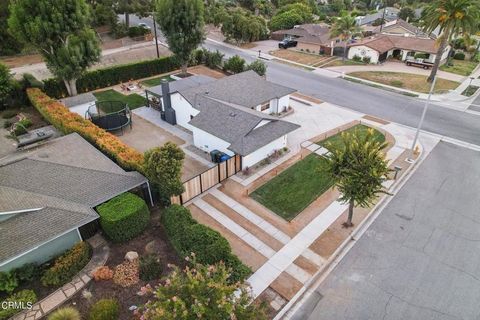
{"x": 421, "y": 258}
{"x": 396, "y": 67}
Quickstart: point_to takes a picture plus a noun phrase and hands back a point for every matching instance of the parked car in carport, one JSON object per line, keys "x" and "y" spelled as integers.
{"x": 287, "y": 43}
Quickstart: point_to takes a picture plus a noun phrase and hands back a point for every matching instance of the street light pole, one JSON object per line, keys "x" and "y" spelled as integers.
{"x": 427, "y": 103}
{"x": 155, "y": 33}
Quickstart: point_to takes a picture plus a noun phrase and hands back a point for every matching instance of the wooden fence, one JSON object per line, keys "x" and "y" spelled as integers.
{"x": 208, "y": 179}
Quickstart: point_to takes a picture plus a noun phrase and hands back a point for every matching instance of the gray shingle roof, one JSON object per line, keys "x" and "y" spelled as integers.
{"x": 182, "y": 84}
{"x": 26, "y": 230}
{"x": 236, "y": 125}
{"x": 66, "y": 178}
{"x": 245, "y": 89}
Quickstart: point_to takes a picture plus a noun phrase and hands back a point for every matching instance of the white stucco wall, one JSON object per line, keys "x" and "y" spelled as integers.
{"x": 208, "y": 142}
{"x": 363, "y": 51}
{"x": 283, "y": 103}
{"x": 183, "y": 110}
{"x": 263, "y": 152}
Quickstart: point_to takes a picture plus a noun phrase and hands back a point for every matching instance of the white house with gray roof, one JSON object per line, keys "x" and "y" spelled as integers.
{"x": 235, "y": 114}
{"x": 48, "y": 194}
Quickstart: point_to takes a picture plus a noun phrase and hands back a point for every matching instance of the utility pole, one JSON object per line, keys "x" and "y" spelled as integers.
{"x": 427, "y": 103}
{"x": 383, "y": 18}
{"x": 155, "y": 33}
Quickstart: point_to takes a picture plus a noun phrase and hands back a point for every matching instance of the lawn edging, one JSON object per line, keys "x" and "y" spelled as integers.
{"x": 291, "y": 307}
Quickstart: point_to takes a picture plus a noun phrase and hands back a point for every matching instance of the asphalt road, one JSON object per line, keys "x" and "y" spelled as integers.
{"x": 420, "y": 259}
{"x": 384, "y": 104}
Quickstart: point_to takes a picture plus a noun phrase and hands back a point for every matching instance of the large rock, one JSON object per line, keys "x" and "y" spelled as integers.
{"x": 131, "y": 256}
{"x": 153, "y": 247}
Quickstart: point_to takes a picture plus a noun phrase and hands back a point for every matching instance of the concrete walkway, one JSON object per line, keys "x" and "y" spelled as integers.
{"x": 40, "y": 309}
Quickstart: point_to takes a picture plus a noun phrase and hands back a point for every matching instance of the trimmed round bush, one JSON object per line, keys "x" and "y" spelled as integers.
{"x": 150, "y": 267}
{"x": 68, "y": 313}
{"x": 124, "y": 217}
{"x": 104, "y": 309}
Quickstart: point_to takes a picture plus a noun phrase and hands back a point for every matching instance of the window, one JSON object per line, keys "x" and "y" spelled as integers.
{"x": 265, "y": 106}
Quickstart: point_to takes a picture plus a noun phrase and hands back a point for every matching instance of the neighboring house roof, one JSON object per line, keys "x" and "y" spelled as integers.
{"x": 391, "y": 13}
{"x": 390, "y": 27}
{"x": 246, "y": 89}
{"x": 64, "y": 179}
{"x": 236, "y": 125}
{"x": 309, "y": 33}
{"x": 383, "y": 43}
{"x": 182, "y": 84}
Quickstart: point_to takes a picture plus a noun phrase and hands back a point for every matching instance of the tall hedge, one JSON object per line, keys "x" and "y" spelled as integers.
{"x": 209, "y": 246}
{"x": 124, "y": 217}
{"x": 110, "y": 76}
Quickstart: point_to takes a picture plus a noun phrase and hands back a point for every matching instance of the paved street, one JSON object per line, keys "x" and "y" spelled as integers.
{"x": 420, "y": 259}
{"x": 369, "y": 100}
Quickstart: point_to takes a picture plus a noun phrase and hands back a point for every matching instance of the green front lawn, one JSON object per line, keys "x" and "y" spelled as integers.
{"x": 461, "y": 67}
{"x": 133, "y": 100}
{"x": 336, "y": 140}
{"x": 155, "y": 81}
{"x": 295, "y": 188}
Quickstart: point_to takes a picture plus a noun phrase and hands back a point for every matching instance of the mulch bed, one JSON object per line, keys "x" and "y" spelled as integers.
{"x": 128, "y": 297}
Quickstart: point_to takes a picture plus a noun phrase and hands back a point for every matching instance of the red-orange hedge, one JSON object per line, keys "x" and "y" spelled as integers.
{"x": 67, "y": 122}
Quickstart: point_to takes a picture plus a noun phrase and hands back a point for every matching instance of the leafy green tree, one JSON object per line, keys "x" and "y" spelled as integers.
{"x": 242, "y": 26}
{"x": 103, "y": 12}
{"x": 200, "y": 292}
{"x": 258, "y": 66}
{"x": 181, "y": 21}
{"x": 163, "y": 167}
{"x": 7, "y": 84}
{"x": 302, "y": 9}
{"x": 286, "y": 20}
{"x": 235, "y": 64}
{"x": 8, "y": 44}
{"x": 358, "y": 168}
{"x": 407, "y": 14}
{"x": 452, "y": 18}
{"x": 345, "y": 28}
{"x": 140, "y": 7}
{"x": 68, "y": 46}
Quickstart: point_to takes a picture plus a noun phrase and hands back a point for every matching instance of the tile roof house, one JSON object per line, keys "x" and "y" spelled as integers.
{"x": 234, "y": 114}
{"x": 314, "y": 37}
{"x": 383, "y": 46}
{"x": 48, "y": 194}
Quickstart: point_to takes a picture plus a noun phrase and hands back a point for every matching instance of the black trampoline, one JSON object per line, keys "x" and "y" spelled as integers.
{"x": 110, "y": 115}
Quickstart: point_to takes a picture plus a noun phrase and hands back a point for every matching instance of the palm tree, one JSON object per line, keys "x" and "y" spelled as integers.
{"x": 358, "y": 168}
{"x": 452, "y": 18}
{"x": 345, "y": 27}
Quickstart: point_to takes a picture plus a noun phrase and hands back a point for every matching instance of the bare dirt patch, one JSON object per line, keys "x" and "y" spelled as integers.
{"x": 203, "y": 70}
{"x": 18, "y": 61}
{"x": 299, "y": 57}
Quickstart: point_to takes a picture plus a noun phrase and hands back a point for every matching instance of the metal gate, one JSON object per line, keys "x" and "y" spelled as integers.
{"x": 208, "y": 179}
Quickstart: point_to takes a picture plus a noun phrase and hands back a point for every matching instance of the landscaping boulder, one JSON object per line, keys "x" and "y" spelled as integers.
{"x": 131, "y": 256}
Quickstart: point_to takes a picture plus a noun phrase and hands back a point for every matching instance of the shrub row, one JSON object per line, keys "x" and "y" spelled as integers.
{"x": 123, "y": 217}
{"x": 110, "y": 76}
{"x": 10, "y": 280}
{"x": 67, "y": 265}
{"x": 187, "y": 236}
{"x": 67, "y": 122}
{"x": 23, "y": 297}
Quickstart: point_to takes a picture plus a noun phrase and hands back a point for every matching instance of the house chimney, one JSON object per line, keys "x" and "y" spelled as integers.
{"x": 170, "y": 115}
